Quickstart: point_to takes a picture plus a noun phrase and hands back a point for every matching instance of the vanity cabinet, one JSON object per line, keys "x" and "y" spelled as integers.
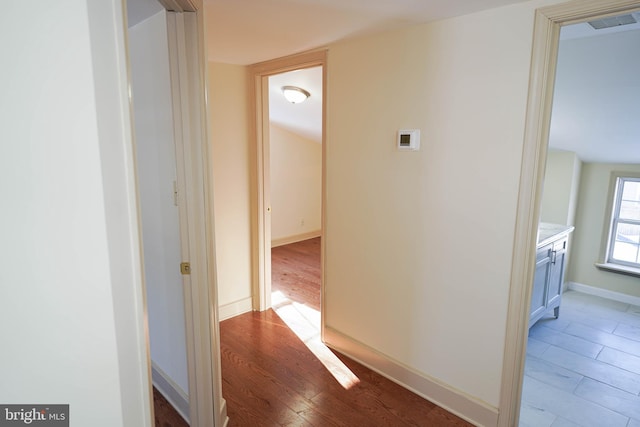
{"x": 549, "y": 276}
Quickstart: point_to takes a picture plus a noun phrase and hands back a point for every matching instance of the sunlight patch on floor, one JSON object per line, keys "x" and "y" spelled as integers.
{"x": 304, "y": 321}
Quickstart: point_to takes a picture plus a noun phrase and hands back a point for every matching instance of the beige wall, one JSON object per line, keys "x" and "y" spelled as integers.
{"x": 296, "y": 185}
{"x": 228, "y": 106}
{"x": 419, "y": 244}
{"x": 561, "y": 186}
{"x": 590, "y": 229}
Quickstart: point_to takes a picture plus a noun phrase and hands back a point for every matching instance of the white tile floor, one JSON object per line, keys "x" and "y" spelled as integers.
{"x": 583, "y": 369}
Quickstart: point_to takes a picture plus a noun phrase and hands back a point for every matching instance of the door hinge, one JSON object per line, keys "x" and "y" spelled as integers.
{"x": 185, "y": 268}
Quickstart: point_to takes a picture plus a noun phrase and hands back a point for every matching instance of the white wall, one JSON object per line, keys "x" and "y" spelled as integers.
{"x": 296, "y": 186}
{"x": 229, "y": 130}
{"x": 68, "y": 268}
{"x": 151, "y": 87}
{"x": 561, "y": 186}
{"x": 590, "y": 229}
{"x": 419, "y": 244}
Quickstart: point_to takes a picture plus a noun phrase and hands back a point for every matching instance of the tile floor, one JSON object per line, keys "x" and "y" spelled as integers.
{"x": 583, "y": 369}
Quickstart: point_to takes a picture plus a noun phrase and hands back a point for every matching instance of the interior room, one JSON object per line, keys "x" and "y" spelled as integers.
{"x": 428, "y": 245}
{"x": 295, "y": 186}
{"x": 583, "y": 368}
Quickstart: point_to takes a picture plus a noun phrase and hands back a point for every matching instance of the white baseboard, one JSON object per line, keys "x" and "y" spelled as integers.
{"x": 604, "y": 293}
{"x": 455, "y": 401}
{"x": 171, "y": 391}
{"x": 297, "y": 238}
{"x": 233, "y": 309}
{"x": 224, "y": 419}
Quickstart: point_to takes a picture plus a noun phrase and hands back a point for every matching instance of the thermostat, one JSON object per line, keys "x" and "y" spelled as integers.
{"x": 409, "y": 139}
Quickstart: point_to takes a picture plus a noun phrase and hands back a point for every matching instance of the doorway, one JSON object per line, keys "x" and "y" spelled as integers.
{"x": 176, "y": 169}
{"x": 162, "y": 232}
{"x": 294, "y": 221}
{"x": 576, "y": 365}
{"x": 544, "y": 57}
{"x": 295, "y": 169}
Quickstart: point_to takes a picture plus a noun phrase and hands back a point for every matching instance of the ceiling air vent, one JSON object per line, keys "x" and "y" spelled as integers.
{"x": 613, "y": 21}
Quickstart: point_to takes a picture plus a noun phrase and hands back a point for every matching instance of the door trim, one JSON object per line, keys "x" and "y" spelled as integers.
{"x": 108, "y": 44}
{"x": 260, "y": 206}
{"x": 187, "y": 61}
{"x": 548, "y": 21}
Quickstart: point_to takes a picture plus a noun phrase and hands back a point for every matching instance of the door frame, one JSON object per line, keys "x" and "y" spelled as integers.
{"x": 187, "y": 57}
{"x": 546, "y": 37}
{"x": 261, "y": 203}
{"x": 207, "y": 407}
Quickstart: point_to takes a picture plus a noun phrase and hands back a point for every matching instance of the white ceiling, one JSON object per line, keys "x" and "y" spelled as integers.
{"x": 250, "y": 31}
{"x": 596, "y": 110}
{"x": 585, "y": 30}
{"x": 596, "y": 105}
{"x": 305, "y": 118}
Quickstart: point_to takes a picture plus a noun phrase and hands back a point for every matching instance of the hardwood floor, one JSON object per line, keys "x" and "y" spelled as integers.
{"x": 165, "y": 414}
{"x": 295, "y": 272}
{"x": 272, "y": 377}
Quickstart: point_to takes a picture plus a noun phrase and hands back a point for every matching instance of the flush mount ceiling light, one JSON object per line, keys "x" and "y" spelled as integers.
{"x": 294, "y": 94}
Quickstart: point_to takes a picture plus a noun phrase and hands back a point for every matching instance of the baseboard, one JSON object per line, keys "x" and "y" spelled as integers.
{"x": 296, "y": 238}
{"x": 236, "y": 308}
{"x": 171, "y": 391}
{"x": 224, "y": 419}
{"x": 455, "y": 401}
{"x": 604, "y": 293}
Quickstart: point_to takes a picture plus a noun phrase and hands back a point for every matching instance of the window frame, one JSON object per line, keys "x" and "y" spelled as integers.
{"x": 612, "y": 220}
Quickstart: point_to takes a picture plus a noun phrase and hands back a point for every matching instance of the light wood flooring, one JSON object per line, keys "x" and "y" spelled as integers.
{"x": 583, "y": 369}
{"x": 273, "y": 377}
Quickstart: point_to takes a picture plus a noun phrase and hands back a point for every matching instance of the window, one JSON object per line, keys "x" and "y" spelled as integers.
{"x": 624, "y": 232}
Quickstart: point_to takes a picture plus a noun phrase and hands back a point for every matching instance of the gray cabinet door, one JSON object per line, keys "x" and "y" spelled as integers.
{"x": 556, "y": 274}
{"x": 539, "y": 292}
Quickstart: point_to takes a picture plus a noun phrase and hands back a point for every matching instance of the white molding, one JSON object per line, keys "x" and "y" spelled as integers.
{"x": 295, "y": 238}
{"x": 618, "y": 268}
{"x": 603, "y": 293}
{"x": 227, "y": 311}
{"x": 542, "y": 74}
{"x": 455, "y": 401}
{"x": 545, "y": 45}
{"x": 186, "y": 52}
{"x": 171, "y": 391}
{"x": 222, "y": 414}
{"x": 260, "y": 197}
{"x": 111, "y": 78}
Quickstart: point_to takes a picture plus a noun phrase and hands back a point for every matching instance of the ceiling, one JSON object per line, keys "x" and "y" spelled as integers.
{"x": 596, "y": 109}
{"x": 305, "y": 118}
{"x": 250, "y": 31}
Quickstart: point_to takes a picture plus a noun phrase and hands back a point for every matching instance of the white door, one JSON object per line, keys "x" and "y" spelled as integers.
{"x": 157, "y": 186}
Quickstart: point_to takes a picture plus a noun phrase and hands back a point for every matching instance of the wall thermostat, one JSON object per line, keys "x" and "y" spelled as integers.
{"x": 409, "y": 139}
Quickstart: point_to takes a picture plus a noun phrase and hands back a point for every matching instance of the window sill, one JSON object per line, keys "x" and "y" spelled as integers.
{"x": 617, "y": 268}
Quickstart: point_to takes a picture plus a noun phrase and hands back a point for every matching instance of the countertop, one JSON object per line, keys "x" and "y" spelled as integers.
{"x": 547, "y": 232}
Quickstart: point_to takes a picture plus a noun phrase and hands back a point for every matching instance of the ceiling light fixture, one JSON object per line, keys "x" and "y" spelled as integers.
{"x": 294, "y": 94}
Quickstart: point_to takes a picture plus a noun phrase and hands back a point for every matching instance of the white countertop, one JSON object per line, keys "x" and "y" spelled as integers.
{"x": 547, "y": 232}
